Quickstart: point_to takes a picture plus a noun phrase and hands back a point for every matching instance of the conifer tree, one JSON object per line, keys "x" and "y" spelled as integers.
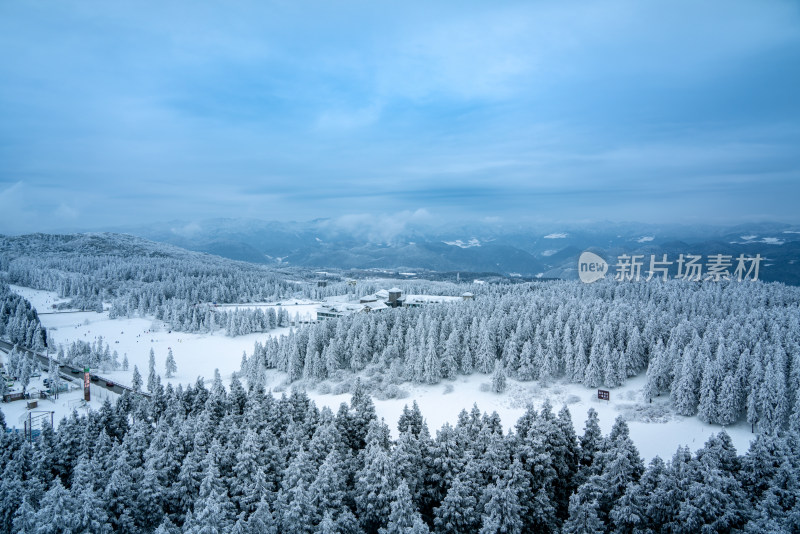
{"x": 583, "y": 517}
{"x": 403, "y": 518}
{"x": 170, "y": 366}
{"x": 151, "y": 372}
{"x": 136, "y": 381}
{"x": 498, "y": 378}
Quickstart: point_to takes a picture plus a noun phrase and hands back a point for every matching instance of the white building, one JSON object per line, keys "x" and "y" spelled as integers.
{"x": 381, "y": 300}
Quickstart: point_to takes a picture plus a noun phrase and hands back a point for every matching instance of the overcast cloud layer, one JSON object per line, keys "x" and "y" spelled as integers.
{"x": 117, "y": 113}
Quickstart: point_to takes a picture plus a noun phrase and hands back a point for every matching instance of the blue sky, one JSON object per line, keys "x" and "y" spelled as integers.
{"x": 120, "y": 113}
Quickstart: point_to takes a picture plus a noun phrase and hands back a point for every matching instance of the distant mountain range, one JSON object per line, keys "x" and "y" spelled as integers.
{"x": 509, "y": 250}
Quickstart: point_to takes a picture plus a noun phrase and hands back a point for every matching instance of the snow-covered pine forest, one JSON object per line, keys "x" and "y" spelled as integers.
{"x": 197, "y": 460}
{"x": 724, "y": 352}
{"x": 96, "y": 355}
{"x": 135, "y": 275}
{"x": 139, "y": 278}
{"x": 720, "y": 351}
{"x": 19, "y": 321}
{"x": 215, "y": 459}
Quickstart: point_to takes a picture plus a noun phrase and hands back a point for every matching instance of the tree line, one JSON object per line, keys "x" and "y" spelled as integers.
{"x": 139, "y": 278}
{"x": 19, "y": 321}
{"x": 209, "y": 460}
{"x": 723, "y": 351}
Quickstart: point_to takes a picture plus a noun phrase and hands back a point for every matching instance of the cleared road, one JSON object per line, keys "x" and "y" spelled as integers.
{"x": 72, "y": 372}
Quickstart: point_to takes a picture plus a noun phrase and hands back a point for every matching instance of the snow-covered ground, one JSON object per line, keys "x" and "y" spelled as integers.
{"x": 17, "y": 412}
{"x": 654, "y": 428}
{"x": 43, "y": 301}
{"x": 195, "y": 354}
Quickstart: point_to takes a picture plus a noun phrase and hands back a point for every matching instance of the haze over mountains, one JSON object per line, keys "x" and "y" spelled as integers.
{"x": 503, "y": 248}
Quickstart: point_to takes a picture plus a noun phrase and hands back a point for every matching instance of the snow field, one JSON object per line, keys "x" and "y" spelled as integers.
{"x": 655, "y": 429}
{"x": 653, "y": 438}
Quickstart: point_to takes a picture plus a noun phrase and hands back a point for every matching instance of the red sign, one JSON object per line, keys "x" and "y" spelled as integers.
{"x": 602, "y": 394}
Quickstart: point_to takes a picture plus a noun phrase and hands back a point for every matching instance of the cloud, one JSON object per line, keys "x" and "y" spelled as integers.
{"x": 13, "y": 199}
{"x": 66, "y": 212}
{"x": 381, "y": 227}
{"x": 346, "y": 120}
{"x": 187, "y": 231}
{"x": 111, "y": 113}
{"x": 484, "y": 55}
{"x": 461, "y": 244}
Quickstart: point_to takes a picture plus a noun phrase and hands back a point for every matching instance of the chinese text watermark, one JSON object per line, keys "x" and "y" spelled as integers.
{"x": 690, "y": 267}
